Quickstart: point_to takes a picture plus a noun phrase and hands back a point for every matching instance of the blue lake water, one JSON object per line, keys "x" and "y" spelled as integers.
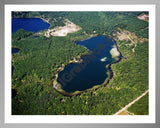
{"x": 35, "y": 37}
{"x": 29, "y": 24}
{"x": 92, "y": 70}
{"x": 15, "y": 50}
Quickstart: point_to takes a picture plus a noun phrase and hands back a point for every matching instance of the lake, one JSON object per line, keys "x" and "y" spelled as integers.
{"x": 15, "y": 50}
{"x": 92, "y": 70}
{"x": 29, "y": 24}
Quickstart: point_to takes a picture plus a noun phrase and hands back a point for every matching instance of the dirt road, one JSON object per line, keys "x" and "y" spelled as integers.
{"x": 127, "y": 106}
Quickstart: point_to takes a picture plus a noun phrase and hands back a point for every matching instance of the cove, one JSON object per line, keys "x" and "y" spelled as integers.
{"x": 93, "y": 71}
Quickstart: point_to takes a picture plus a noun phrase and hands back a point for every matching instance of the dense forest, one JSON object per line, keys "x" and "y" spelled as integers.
{"x": 38, "y": 60}
{"x": 141, "y": 106}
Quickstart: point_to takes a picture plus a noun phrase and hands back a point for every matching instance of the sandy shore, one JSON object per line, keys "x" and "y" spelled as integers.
{"x": 114, "y": 52}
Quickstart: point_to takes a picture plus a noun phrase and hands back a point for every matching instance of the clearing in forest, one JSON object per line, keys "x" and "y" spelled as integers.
{"x": 69, "y": 27}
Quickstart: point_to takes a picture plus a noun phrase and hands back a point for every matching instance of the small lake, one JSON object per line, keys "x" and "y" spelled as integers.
{"x": 92, "y": 70}
{"x": 15, "y": 50}
{"x": 29, "y": 24}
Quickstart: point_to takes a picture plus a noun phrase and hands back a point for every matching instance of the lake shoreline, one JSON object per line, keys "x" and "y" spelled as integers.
{"x": 34, "y": 17}
{"x": 16, "y": 47}
{"x": 56, "y": 86}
